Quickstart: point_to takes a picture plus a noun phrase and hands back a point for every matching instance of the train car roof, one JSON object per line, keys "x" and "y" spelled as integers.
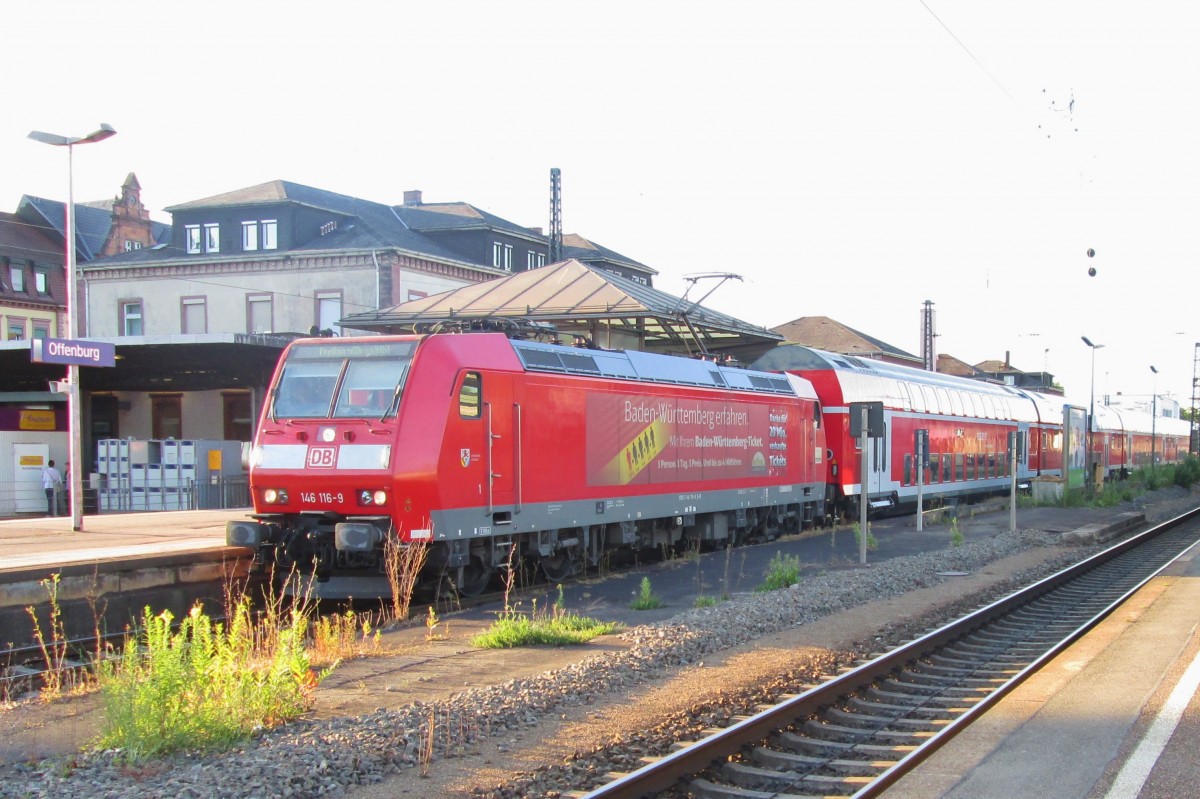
{"x": 863, "y": 379}
{"x": 655, "y": 368}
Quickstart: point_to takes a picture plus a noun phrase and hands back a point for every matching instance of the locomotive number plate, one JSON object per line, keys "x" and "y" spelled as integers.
{"x": 321, "y": 497}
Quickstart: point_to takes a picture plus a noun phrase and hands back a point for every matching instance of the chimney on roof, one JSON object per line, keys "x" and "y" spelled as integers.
{"x": 1007, "y": 364}
{"x": 537, "y": 231}
{"x": 412, "y": 197}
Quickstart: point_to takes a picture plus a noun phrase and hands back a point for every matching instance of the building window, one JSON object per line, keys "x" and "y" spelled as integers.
{"x": 131, "y": 318}
{"x": 329, "y": 311}
{"x": 413, "y": 294}
{"x": 534, "y": 259}
{"x": 270, "y": 234}
{"x": 41, "y": 281}
{"x": 239, "y": 416}
{"x": 130, "y": 246}
{"x": 249, "y": 236}
{"x": 212, "y": 237}
{"x": 259, "y": 313}
{"x": 166, "y": 416}
{"x": 502, "y": 256}
{"x": 192, "y": 236}
{"x": 41, "y": 330}
{"x": 16, "y": 329}
{"x": 16, "y": 276}
{"x": 193, "y": 315}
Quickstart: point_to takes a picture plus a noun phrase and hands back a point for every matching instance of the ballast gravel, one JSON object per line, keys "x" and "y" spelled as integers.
{"x": 325, "y": 758}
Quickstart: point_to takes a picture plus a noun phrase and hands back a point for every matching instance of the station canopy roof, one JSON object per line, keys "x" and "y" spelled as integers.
{"x": 568, "y": 299}
{"x": 200, "y": 362}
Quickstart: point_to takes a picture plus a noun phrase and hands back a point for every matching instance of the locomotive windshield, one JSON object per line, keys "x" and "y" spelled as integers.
{"x": 342, "y": 381}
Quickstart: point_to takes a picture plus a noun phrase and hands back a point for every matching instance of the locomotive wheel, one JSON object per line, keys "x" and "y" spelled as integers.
{"x": 557, "y": 567}
{"x": 473, "y": 578}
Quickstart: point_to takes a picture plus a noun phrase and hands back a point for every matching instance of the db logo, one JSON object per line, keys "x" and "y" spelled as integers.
{"x": 321, "y": 457}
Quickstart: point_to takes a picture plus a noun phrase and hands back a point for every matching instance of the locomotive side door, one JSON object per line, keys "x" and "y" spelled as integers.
{"x": 499, "y": 446}
{"x": 480, "y": 444}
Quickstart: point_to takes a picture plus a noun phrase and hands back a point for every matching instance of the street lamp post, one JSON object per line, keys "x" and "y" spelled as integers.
{"x": 1153, "y": 416}
{"x": 1091, "y": 414}
{"x": 74, "y": 415}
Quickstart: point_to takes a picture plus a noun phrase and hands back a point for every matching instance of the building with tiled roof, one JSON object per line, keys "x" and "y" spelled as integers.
{"x": 823, "y": 333}
{"x": 33, "y": 290}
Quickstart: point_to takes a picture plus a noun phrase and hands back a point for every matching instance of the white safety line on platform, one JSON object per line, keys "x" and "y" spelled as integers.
{"x": 107, "y": 553}
{"x": 1132, "y": 777}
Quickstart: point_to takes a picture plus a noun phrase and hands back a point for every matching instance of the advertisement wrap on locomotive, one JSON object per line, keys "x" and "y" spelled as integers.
{"x": 490, "y": 449}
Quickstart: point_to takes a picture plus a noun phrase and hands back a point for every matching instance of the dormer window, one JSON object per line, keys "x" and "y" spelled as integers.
{"x": 192, "y": 236}
{"x": 259, "y": 235}
{"x": 212, "y": 237}
{"x": 249, "y": 236}
{"x": 502, "y": 255}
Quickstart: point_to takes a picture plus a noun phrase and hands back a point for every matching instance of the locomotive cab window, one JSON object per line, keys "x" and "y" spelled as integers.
{"x": 361, "y": 380}
{"x": 469, "y": 395}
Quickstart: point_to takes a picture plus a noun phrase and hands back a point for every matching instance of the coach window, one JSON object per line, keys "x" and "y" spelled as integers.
{"x": 958, "y": 466}
{"x": 934, "y": 461}
{"x": 947, "y": 475}
{"x": 908, "y": 470}
{"x": 469, "y": 396}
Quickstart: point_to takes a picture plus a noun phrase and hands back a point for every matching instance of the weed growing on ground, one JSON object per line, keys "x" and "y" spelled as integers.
{"x": 513, "y": 628}
{"x": 51, "y": 642}
{"x": 872, "y": 542}
{"x": 956, "y": 536}
{"x": 403, "y": 564}
{"x": 782, "y": 571}
{"x": 705, "y": 601}
{"x": 204, "y": 685}
{"x": 646, "y": 598}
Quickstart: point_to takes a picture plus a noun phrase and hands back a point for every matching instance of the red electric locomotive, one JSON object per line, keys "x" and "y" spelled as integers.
{"x": 968, "y": 421}
{"x": 482, "y": 446}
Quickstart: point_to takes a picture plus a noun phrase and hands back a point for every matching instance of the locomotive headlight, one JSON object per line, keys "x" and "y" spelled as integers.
{"x": 328, "y": 434}
{"x": 367, "y": 496}
{"x": 275, "y": 496}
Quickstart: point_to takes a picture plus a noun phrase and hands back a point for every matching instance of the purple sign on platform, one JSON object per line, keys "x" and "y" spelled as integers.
{"x": 77, "y": 351}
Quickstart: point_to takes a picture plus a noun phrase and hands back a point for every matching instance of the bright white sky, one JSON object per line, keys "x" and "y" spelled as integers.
{"x": 847, "y": 159}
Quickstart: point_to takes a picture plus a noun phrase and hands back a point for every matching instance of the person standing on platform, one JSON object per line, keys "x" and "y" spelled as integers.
{"x": 52, "y": 482}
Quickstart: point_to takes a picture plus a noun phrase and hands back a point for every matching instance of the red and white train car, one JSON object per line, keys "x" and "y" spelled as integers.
{"x": 484, "y": 446}
{"x": 968, "y": 421}
{"x": 1126, "y": 439}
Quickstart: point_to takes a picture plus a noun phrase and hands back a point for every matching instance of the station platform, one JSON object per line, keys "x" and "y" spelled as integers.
{"x": 1115, "y": 716}
{"x": 49, "y": 542}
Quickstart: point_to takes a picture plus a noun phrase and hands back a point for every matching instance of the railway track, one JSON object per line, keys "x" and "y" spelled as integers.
{"x": 857, "y": 733}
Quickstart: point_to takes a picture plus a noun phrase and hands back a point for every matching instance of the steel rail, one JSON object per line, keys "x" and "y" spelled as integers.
{"x": 666, "y": 772}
